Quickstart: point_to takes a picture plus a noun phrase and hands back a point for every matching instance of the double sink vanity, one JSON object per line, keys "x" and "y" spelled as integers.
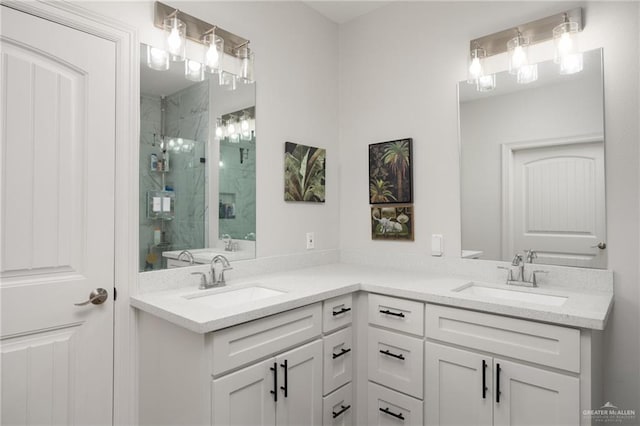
{"x": 347, "y": 344}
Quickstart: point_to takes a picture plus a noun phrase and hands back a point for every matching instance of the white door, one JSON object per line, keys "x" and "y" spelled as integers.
{"x": 246, "y": 398}
{"x": 300, "y": 383}
{"x": 459, "y": 387}
{"x": 557, "y": 204}
{"x": 57, "y": 204}
{"x": 530, "y": 396}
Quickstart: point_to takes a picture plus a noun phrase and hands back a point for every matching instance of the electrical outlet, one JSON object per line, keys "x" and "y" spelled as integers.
{"x": 311, "y": 240}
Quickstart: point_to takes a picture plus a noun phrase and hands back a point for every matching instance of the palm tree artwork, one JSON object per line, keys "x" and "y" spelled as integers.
{"x": 390, "y": 172}
{"x": 304, "y": 173}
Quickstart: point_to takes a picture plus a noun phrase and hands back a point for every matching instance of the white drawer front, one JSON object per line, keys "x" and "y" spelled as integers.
{"x": 400, "y": 314}
{"x": 386, "y": 407}
{"x": 338, "y": 359}
{"x": 244, "y": 343}
{"x": 543, "y": 344}
{"x": 395, "y": 361}
{"x": 337, "y": 408}
{"x": 337, "y": 312}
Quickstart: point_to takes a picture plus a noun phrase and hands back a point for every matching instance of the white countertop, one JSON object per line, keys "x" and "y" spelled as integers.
{"x": 583, "y": 308}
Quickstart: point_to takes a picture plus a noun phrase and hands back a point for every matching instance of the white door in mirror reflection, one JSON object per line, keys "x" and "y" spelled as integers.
{"x": 554, "y": 201}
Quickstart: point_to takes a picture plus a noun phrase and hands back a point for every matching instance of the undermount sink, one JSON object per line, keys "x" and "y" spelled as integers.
{"x": 476, "y": 289}
{"x": 229, "y": 297}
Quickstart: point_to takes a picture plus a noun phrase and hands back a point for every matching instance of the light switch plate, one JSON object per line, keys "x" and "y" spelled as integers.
{"x": 437, "y": 245}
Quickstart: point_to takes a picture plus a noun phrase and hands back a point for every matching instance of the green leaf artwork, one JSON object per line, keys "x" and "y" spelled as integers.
{"x": 304, "y": 173}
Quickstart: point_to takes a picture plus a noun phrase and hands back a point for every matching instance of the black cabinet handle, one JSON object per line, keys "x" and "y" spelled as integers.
{"x": 341, "y": 311}
{"x": 386, "y": 352}
{"x": 342, "y": 410}
{"x": 498, "y": 383}
{"x": 342, "y": 352}
{"x": 395, "y": 314}
{"x": 484, "y": 379}
{"x": 275, "y": 381}
{"x": 391, "y": 413}
{"x": 285, "y": 388}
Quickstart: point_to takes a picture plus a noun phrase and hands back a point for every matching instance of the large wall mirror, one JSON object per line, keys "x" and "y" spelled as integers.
{"x": 197, "y": 167}
{"x": 532, "y": 167}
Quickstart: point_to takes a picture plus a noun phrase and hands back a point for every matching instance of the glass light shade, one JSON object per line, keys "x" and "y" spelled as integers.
{"x": 232, "y": 127}
{"x": 565, "y": 40}
{"x": 486, "y": 83}
{"x": 527, "y": 74}
{"x": 246, "y": 64}
{"x": 214, "y": 52}
{"x": 193, "y": 70}
{"x": 227, "y": 80}
{"x": 571, "y": 64}
{"x": 157, "y": 59}
{"x": 219, "y": 128}
{"x": 476, "y": 65}
{"x": 518, "y": 53}
{"x": 175, "y": 38}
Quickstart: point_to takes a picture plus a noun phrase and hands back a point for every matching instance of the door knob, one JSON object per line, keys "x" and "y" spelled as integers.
{"x": 600, "y": 245}
{"x": 97, "y": 297}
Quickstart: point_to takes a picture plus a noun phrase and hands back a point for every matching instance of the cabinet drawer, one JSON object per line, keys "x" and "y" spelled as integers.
{"x": 395, "y": 360}
{"x": 387, "y": 407}
{"x": 244, "y": 343}
{"x": 337, "y": 312}
{"x": 544, "y": 344}
{"x": 338, "y": 359}
{"x": 399, "y": 314}
{"x": 337, "y": 408}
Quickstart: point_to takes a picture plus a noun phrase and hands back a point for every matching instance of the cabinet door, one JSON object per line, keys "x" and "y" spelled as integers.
{"x": 454, "y": 387}
{"x": 244, "y": 398}
{"x": 531, "y": 396}
{"x": 300, "y": 386}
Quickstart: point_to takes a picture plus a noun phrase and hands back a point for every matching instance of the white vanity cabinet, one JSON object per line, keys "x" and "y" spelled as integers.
{"x": 267, "y": 371}
{"x": 513, "y": 372}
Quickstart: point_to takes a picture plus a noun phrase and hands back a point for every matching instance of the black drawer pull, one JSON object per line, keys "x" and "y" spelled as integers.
{"x": 498, "y": 383}
{"x": 342, "y": 410}
{"x": 342, "y": 352}
{"x": 275, "y": 381}
{"x": 391, "y": 413}
{"x": 395, "y": 314}
{"x": 285, "y": 388}
{"x": 386, "y": 352}
{"x": 341, "y": 311}
{"x": 484, "y": 379}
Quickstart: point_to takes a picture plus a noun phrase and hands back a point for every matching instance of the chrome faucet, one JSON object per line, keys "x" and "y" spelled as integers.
{"x": 217, "y": 274}
{"x": 228, "y": 242}
{"x": 188, "y": 255}
{"x": 520, "y": 260}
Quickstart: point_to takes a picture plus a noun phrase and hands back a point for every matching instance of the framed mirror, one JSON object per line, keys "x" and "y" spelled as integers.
{"x": 532, "y": 167}
{"x": 197, "y": 167}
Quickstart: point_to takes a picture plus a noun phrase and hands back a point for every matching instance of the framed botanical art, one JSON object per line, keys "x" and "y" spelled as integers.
{"x": 304, "y": 173}
{"x": 390, "y": 172}
{"x": 392, "y": 222}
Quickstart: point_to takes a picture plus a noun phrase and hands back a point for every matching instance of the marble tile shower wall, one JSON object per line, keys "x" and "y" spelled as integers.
{"x": 238, "y": 186}
{"x": 186, "y": 117}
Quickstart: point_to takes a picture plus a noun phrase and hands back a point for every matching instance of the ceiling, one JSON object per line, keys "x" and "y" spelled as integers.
{"x": 344, "y": 11}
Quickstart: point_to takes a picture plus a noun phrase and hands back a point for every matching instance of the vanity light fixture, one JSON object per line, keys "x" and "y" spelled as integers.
{"x": 193, "y": 70}
{"x": 246, "y": 57}
{"x": 562, "y": 28}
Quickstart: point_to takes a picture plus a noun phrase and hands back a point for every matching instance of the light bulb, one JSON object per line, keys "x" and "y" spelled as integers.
{"x": 475, "y": 70}
{"x": 174, "y": 41}
{"x": 244, "y": 125}
{"x": 565, "y": 44}
{"x": 519, "y": 58}
{"x": 212, "y": 56}
{"x": 231, "y": 128}
{"x": 218, "y": 132}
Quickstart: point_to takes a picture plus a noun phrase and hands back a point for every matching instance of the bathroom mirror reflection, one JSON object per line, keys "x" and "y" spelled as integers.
{"x": 532, "y": 167}
{"x": 197, "y": 167}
